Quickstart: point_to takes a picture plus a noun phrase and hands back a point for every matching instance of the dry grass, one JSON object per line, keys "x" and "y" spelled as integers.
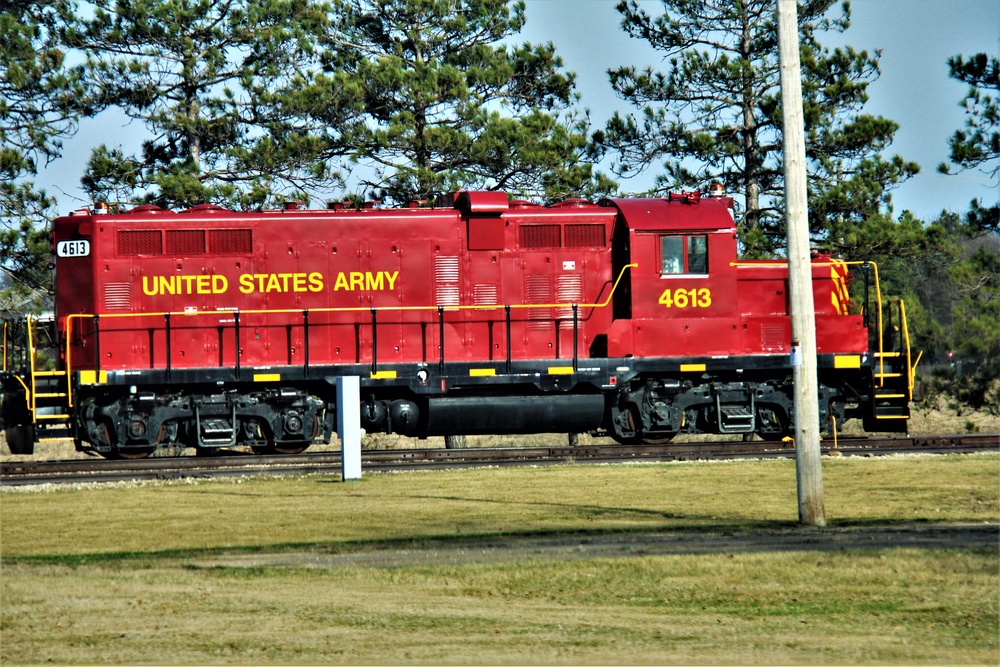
{"x": 125, "y": 575}
{"x": 907, "y": 607}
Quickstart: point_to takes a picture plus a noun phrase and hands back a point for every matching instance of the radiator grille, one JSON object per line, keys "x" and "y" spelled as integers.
{"x": 221, "y": 241}
{"x": 185, "y": 241}
{"x": 585, "y": 236}
{"x": 139, "y": 242}
{"x": 540, "y": 236}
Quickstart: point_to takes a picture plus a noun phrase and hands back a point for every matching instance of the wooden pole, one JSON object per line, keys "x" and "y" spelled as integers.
{"x": 808, "y": 466}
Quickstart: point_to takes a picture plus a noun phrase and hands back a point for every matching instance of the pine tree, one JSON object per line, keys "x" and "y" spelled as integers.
{"x": 449, "y": 106}
{"x": 41, "y": 100}
{"x": 219, "y": 86}
{"x": 715, "y": 114}
{"x": 978, "y": 145}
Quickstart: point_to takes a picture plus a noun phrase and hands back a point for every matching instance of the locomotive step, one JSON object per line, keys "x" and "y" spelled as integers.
{"x": 217, "y": 432}
{"x": 735, "y": 419}
{"x": 891, "y": 412}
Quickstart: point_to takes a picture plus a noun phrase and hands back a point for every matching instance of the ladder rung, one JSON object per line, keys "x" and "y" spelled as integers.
{"x": 888, "y": 375}
{"x": 59, "y": 395}
{"x": 878, "y": 396}
{"x": 892, "y": 416}
{"x": 50, "y": 374}
{"x": 888, "y": 354}
{"x": 38, "y": 417}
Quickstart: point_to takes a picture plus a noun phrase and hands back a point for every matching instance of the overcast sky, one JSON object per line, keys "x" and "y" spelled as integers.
{"x": 916, "y": 38}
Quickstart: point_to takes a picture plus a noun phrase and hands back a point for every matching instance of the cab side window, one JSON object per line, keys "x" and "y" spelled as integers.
{"x": 680, "y": 254}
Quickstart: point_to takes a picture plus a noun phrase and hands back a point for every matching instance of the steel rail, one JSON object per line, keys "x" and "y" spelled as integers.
{"x": 18, "y": 473}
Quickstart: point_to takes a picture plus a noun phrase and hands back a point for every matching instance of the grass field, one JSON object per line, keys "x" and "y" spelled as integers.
{"x": 501, "y": 566}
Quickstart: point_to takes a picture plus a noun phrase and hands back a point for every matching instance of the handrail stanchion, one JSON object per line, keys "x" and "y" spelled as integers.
{"x": 576, "y": 330}
{"x": 97, "y": 344}
{"x": 441, "y": 339}
{"x": 507, "y": 316}
{"x": 166, "y": 322}
{"x": 305, "y": 340}
{"x": 236, "y": 320}
{"x": 374, "y": 342}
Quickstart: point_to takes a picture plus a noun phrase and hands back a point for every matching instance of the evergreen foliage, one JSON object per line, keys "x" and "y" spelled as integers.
{"x": 977, "y": 146}
{"x": 208, "y": 79}
{"x": 715, "y": 114}
{"x": 41, "y": 100}
{"x": 450, "y": 106}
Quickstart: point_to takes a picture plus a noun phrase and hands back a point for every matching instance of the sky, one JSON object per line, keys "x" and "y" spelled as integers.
{"x": 916, "y": 38}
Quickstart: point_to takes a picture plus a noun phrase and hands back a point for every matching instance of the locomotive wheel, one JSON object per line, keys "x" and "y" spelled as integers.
{"x": 286, "y": 448}
{"x": 131, "y": 454}
{"x": 20, "y": 439}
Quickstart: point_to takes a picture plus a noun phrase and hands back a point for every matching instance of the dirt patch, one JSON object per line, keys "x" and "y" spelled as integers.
{"x": 623, "y": 545}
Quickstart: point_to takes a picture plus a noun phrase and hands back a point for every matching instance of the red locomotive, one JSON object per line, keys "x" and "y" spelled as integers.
{"x": 631, "y": 318}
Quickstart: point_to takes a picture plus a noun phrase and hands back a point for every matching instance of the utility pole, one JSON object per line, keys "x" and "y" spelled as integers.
{"x": 808, "y": 466}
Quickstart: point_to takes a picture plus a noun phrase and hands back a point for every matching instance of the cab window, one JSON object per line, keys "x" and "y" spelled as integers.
{"x": 683, "y": 254}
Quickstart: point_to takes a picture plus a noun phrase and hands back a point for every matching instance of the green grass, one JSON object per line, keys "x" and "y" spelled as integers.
{"x": 249, "y": 572}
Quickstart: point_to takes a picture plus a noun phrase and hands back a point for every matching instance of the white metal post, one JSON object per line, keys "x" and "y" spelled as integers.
{"x": 349, "y": 426}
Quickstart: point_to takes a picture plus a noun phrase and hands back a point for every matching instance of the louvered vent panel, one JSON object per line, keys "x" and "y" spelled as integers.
{"x": 223, "y": 241}
{"x": 585, "y": 236}
{"x": 118, "y": 296}
{"x": 139, "y": 242}
{"x": 569, "y": 289}
{"x": 185, "y": 241}
{"x": 540, "y": 236}
{"x": 538, "y": 289}
{"x": 484, "y": 295}
{"x": 772, "y": 337}
{"x": 446, "y": 281}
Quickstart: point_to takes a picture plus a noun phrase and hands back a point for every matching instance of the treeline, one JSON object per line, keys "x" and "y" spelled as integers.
{"x": 247, "y": 104}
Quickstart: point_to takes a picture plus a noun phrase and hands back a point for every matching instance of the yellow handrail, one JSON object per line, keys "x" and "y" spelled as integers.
{"x": 350, "y": 309}
{"x": 31, "y": 369}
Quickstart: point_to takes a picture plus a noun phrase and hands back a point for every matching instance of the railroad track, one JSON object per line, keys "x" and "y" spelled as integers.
{"x": 17, "y": 473}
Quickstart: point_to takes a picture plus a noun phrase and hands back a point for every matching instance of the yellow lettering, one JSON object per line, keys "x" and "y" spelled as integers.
{"x": 272, "y": 283}
{"x": 373, "y": 281}
{"x": 146, "y": 288}
{"x": 341, "y": 282}
{"x": 168, "y": 286}
{"x": 299, "y": 281}
{"x": 246, "y": 283}
{"x": 392, "y": 278}
{"x": 315, "y": 282}
{"x": 219, "y": 284}
{"x": 204, "y": 284}
{"x": 357, "y": 280}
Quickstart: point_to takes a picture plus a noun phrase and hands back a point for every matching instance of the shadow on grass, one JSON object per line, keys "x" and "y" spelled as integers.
{"x": 719, "y": 537}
